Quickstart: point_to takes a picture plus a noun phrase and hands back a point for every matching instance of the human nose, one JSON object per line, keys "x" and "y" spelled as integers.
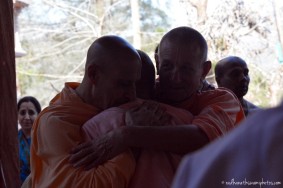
{"x": 176, "y": 76}
{"x": 27, "y": 116}
{"x": 245, "y": 78}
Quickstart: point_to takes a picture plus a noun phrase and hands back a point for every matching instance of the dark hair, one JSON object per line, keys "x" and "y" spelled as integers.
{"x": 147, "y": 66}
{"x": 31, "y": 99}
{"x": 147, "y": 77}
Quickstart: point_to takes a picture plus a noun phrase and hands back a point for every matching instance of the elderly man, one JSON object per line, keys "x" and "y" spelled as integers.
{"x": 232, "y": 72}
{"x": 182, "y": 67}
{"x": 112, "y": 68}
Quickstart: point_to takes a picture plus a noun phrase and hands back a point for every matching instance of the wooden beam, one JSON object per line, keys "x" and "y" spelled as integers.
{"x": 9, "y": 153}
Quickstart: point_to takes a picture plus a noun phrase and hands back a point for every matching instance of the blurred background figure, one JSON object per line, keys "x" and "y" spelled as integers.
{"x": 232, "y": 72}
{"x": 146, "y": 84}
{"x": 28, "y": 110}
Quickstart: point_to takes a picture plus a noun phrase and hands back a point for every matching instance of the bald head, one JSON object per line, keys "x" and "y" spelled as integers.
{"x": 112, "y": 68}
{"x": 188, "y": 38}
{"x": 225, "y": 64}
{"x": 107, "y": 51}
{"x": 232, "y": 72}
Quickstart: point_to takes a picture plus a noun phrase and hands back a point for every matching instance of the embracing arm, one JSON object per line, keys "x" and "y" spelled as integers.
{"x": 153, "y": 133}
{"x": 176, "y": 139}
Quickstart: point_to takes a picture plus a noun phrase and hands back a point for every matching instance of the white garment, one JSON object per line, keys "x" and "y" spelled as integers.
{"x": 250, "y": 155}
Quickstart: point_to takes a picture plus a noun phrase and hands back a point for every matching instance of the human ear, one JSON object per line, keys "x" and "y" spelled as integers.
{"x": 218, "y": 80}
{"x": 93, "y": 73}
{"x": 205, "y": 69}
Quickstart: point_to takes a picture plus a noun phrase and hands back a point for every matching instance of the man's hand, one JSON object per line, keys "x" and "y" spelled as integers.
{"x": 150, "y": 113}
{"x": 97, "y": 151}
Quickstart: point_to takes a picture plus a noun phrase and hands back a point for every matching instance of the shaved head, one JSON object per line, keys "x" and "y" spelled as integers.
{"x": 232, "y": 72}
{"x": 189, "y": 38}
{"x": 112, "y": 68}
{"x": 182, "y": 64}
{"x": 224, "y": 64}
{"x": 107, "y": 51}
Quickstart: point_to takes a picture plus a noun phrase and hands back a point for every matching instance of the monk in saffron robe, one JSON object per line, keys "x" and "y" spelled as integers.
{"x": 249, "y": 155}
{"x": 112, "y": 68}
{"x": 182, "y": 67}
{"x": 160, "y": 166}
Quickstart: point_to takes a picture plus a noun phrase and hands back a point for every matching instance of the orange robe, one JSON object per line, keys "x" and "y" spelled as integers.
{"x": 216, "y": 112}
{"x": 55, "y": 132}
{"x": 154, "y": 169}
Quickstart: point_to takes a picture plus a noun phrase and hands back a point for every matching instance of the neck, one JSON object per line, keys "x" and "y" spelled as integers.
{"x": 86, "y": 93}
{"x": 242, "y": 101}
{"x": 26, "y": 133}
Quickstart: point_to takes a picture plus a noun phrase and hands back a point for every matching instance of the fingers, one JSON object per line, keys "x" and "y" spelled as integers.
{"x": 80, "y": 147}
{"x": 151, "y": 106}
{"x": 85, "y": 161}
{"x": 150, "y": 113}
{"x": 92, "y": 154}
{"x": 81, "y": 155}
{"x": 94, "y": 163}
{"x": 87, "y": 158}
{"x": 159, "y": 112}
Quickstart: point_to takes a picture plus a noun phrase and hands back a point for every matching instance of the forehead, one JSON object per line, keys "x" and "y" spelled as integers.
{"x": 27, "y": 105}
{"x": 180, "y": 52}
{"x": 125, "y": 71}
{"x": 232, "y": 65}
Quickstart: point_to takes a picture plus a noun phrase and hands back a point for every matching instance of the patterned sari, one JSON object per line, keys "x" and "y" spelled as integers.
{"x": 24, "y": 148}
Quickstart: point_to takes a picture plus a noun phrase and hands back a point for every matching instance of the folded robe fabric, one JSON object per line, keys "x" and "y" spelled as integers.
{"x": 154, "y": 169}
{"x": 250, "y": 155}
{"x": 216, "y": 112}
{"x": 55, "y": 132}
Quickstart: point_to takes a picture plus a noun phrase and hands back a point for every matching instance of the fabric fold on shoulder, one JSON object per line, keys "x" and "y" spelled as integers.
{"x": 55, "y": 132}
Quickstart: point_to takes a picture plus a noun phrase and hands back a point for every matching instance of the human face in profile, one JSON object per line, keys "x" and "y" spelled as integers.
{"x": 180, "y": 71}
{"x": 26, "y": 115}
{"x": 116, "y": 85}
{"x": 236, "y": 78}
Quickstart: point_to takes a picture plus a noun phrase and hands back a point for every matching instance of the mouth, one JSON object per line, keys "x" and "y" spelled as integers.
{"x": 243, "y": 90}
{"x": 26, "y": 124}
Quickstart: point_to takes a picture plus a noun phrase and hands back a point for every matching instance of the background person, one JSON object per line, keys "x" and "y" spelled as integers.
{"x": 28, "y": 110}
{"x": 145, "y": 86}
{"x": 233, "y": 73}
